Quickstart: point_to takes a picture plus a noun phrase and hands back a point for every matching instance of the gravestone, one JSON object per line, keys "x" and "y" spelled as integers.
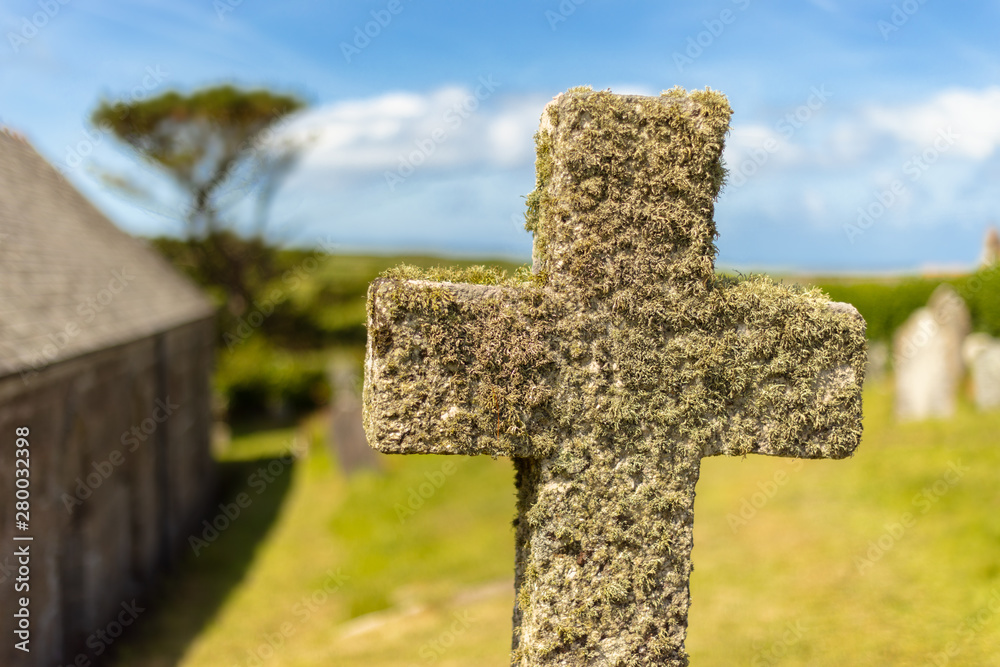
{"x": 610, "y": 371}
{"x": 927, "y": 355}
{"x": 982, "y": 355}
{"x": 991, "y": 247}
{"x": 347, "y": 433}
{"x": 878, "y": 361}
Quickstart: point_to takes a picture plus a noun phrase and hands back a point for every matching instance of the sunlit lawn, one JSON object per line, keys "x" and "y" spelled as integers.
{"x": 339, "y": 576}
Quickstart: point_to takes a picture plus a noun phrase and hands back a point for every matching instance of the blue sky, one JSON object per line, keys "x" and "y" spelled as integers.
{"x": 864, "y": 137}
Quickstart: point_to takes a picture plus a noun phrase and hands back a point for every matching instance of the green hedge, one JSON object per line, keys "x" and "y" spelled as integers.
{"x": 886, "y": 305}
{"x": 255, "y": 377}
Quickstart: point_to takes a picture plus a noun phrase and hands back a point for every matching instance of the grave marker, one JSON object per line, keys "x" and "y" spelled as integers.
{"x": 927, "y": 356}
{"x": 611, "y": 371}
{"x": 982, "y": 354}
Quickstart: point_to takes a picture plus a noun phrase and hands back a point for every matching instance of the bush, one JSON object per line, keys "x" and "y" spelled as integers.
{"x": 255, "y": 377}
{"x": 981, "y": 292}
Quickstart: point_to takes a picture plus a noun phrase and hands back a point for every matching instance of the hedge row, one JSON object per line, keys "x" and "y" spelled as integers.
{"x": 885, "y": 306}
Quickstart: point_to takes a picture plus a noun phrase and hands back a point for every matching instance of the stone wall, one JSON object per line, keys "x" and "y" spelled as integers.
{"x": 121, "y": 473}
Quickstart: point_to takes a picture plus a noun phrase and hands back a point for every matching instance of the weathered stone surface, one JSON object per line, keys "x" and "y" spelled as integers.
{"x": 982, "y": 355}
{"x": 610, "y": 371}
{"x": 927, "y": 355}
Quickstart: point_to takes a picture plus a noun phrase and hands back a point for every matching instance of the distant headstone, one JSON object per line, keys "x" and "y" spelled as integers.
{"x": 991, "y": 247}
{"x": 927, "y": 356}
{"x": 347, "y": 432}
{"x": 611, "y": 372}
{"x": 878, "y": 361}
{"x": 982, "y": 355}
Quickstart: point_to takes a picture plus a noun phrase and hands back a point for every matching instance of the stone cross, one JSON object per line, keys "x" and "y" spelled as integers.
{"x": 610, "y": 371}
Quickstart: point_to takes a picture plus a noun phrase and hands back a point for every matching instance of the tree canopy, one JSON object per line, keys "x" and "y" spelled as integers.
{"x": 217, "y": 145}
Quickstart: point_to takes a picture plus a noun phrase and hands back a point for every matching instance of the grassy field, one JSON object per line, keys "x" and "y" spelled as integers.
{"x": 889, "y": 558}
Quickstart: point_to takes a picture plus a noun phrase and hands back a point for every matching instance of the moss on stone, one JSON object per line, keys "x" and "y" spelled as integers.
{"x": 610, "y": 371}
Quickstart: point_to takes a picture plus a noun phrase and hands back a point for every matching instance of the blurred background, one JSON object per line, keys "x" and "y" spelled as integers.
{"x": 282, "y": 155}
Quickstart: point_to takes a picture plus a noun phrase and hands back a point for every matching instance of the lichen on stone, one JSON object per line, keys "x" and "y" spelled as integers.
{"x": 610, "y": 370}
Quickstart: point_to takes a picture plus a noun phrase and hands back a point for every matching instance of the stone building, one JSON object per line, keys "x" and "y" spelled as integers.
{"x": 105, "y": 356}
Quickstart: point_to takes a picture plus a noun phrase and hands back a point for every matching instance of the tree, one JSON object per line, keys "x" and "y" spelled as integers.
{"x": 212, "y": 145}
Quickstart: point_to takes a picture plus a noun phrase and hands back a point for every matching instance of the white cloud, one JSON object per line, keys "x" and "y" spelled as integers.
{"x": 446, "y": 128}
{"x": 750, "y": 147}
{"x": 846, "y": 143}
{"x": 969, "y": 114}
{"x": 745, "y": 138}
{"x": 960, "y": 123}
{"x": 814, "y": 202}
{"x": 506, "y": 136}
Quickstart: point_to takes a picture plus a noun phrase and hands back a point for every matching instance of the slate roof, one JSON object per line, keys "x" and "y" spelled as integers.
{"x": 59, "y": 258}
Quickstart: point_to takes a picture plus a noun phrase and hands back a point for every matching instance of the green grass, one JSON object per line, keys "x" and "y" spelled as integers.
{"x": 800, "y": 559}
{"x": 785, "y": 588}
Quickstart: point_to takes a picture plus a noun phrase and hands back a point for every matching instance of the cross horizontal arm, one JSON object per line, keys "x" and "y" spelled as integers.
{"x": 453, "y": 368}
{"x": 789, "y": 374}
